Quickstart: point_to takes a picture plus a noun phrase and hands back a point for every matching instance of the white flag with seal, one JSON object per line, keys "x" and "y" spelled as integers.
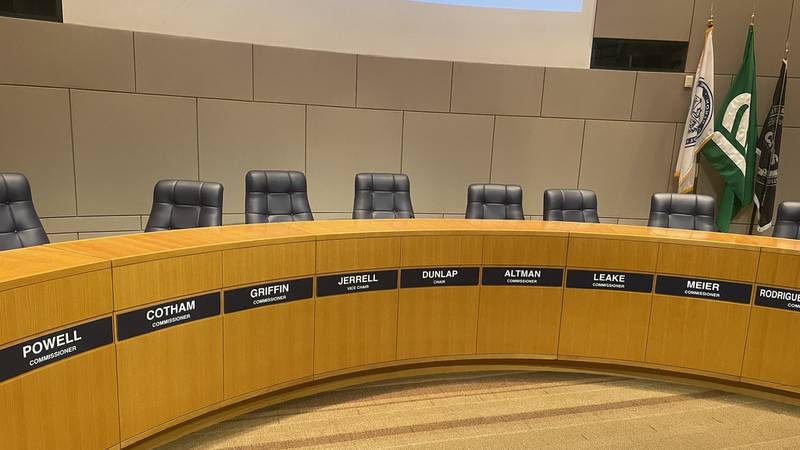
{"x": 700, "y": 120}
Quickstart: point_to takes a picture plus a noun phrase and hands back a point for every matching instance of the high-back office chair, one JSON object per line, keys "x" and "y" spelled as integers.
{"x": 382, "y": 196}
{"x": 276, "y": 196}
{"x": 570, "y": 205}
{"x": 19, "y": 224}
{"x": 179, "y": 204}
{"x": 494, "y": 201}
{"x": 686, "y": 211}
{"x": 787, "y": 222}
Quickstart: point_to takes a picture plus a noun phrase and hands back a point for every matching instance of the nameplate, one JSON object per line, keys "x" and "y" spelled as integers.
{"x": 612, "y": 281}
{"x": 522, "y": 276}
{"x": 54, "y": 347}
{"x": 274, "y": 293}
{"x": 439, "y": 277}
{"x": 352, "y": 283}
{"x": 703, "y": 288}
{"x": 778, "y": 298}
{"x": 165, "y": 315}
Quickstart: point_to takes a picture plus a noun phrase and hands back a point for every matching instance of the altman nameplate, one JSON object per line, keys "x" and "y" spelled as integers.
{"x": 522, "y": 276}
{"x": 273, "y": 293}
{"x": 439, "y": 277}
{"x": 165, "y": 315}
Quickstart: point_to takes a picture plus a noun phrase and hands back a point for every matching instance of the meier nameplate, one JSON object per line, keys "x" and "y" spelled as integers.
{"x": 612, "y": 281}
{"x": 439, "y": 277}
{"x": 352, "y": 283}
{"x": 778, "y": 298}
{"x": 165, "y": 315}
{"x": 53, "y": 347}
{"x": 265, "y": 294}
{"x": 522, "y": 276}
{"x": 703, "y": 288}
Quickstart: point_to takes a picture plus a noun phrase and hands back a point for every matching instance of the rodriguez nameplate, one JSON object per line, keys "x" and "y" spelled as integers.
{"x": 165, "y": 315}
{"x": 522, "y": 276}
{"x": 703, "y": 288}
{"x": 612, "y": 281}
{"x": 351, "y": 283}
{"x": 439, "y": 277}
{"x": 778, "y": 298}
{"x": 273, "y": 293}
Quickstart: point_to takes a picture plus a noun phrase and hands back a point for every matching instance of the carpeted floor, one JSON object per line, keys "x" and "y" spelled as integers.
{"x": 511, "y": 410}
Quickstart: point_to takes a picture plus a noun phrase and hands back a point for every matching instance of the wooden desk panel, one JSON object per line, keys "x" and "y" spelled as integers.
{"x": 36, "y": 308}
{"x": 345, "y": 255}
{"x": 354, "y": 330}
{"x": 719, "y": 263}
{"x": 697, "y": 334}
{"x": 612, "y": 254}
{"x": 773, "y": 347}
{"x": 268, "y": 346}
{"x": 267, "y": 262}
{"x": 142, "y": 283}
{"x": 519, "y": 320}
{"x": 68, "y": 404}
{"x": 779, "y": 269}
{"x": 168, "y": 373}
{"x": 525, "y": 250}
{"x": 419, "y": 251}
{"x": 437, "y": 321}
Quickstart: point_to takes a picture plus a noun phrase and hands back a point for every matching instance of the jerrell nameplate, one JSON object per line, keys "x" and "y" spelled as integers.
{"x": 703, "y": 288}
{"x": 439, "y": 277}
{"x": 778, "y": 298}
{"x": 268, "y": 294}
{"x": 63, "y": 344}
{"x": 613, "y": 281}
{"x": 522, "y": 276}
{"x": 351, "y": 283}
{"x": 165, "y": 315}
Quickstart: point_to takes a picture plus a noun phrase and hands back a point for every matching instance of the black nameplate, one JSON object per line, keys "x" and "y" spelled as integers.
{"x": 439, "y": 277}
{"x": 778, "y": 298}
{"x": 351, "y": 283}
{"x": 165, "y": 315}
{"x": 612, "y": 281}
{"x": 268, "y": 294}
{"x": 57, "y": 346}
{"x": 703, "y": 288}
{"x": 522, "y": 276}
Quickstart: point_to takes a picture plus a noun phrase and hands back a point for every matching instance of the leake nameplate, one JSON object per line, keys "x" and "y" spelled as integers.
{"x": 57, "y": 346}
{"x": 165, "y": 315}
{"x": 439, "y": 277}
{"x": 612, "y": 281}
{"x": 352, "y": 283}
{"x": 268, "y": 294}
{"x": 778, "y": 298}
{"x": 522, "y": 276}
{"x": 703, "y": 288}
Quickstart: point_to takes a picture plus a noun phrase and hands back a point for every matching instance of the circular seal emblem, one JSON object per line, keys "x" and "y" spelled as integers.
{"x": 700, "y": 112}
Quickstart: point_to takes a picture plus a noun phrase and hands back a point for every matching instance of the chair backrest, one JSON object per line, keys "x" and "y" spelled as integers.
{"x": 685, "y": 211}
{"x": 787, "y": 223}
{"x": 276, "y": 196}
{"x": 382, "y": 196}
{"x": 19, "y": 224}
{"x": 179, "y": 204}
{"x": 570, "y": 205}
{"x": 494, "y": 201}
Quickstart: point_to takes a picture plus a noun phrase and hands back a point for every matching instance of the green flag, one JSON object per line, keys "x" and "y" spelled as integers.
{"x": 731, "y": 151}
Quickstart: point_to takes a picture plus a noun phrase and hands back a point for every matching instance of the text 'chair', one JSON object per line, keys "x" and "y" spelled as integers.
{"x": 382, "y": 196}
{"x": 276, "y": 196}
{"x": 179, "y": 204}
{"x": 494, "y": 201}
{"x": 570, "y": 205}
{"x": 684, "y": 211}
{"x": 19, "y": 224}
{"x": 787, "y": 222}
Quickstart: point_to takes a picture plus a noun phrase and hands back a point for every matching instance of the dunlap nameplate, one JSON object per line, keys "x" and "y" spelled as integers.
{"x": 352, "y": 283}
{"x": 53, "y": 347}
{"x": 522, "y": 276}
{"x": 165, "y": 315}
{"x": 703, "y": 288}
{"x": 439, "y": 277}
{"x": 778, "y": 298}
{"x": 612, "y": 281}
{"x": 266, "y": 294}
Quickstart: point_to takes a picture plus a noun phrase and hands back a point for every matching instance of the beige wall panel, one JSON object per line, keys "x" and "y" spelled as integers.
{"x": 293, "y": 75}
{"x": 794, "y": 37}
{"x": 765, "y": 87}
{"x": 125, "y": 143}
{"x": 497, "y": 89}
{"x": 537, "y": 154}
{"x": 232, "y": 219}
{"x": 56, "y": 54}
{"x": 730, "y": 30}
{"x": 342, "y": 142}
{"x": 92, "y": 224}
{"x": 443, "y": 154}
{"x": 788, "y": 185}
{"x": 660, "y": 97}
{"x": 36, "y": 140}
{"x": 195, "y": 67}
{"x": 673, "y": 180}
{"x": 625, "y": 163}
{"x": 397, "y": 83}
{"x": 590, "y": 94}
{"x": 792, "y": 108}
{"x": 644, "y": 19}
{"x": 236, "y": 137}
{"x": 62, "y": 237}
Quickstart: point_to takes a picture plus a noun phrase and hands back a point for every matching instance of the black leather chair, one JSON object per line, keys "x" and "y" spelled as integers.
{"x": 570, "y": 205}
{"x": 19, "y": 224}
{"x": 685, "y": 211}
{"x": 494, "y": 201}
{"x": 787, "y": 223}
{"x": 382, "y": 196}
{"x": 179, "y": 204}
{"x": 276, "y": 196}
